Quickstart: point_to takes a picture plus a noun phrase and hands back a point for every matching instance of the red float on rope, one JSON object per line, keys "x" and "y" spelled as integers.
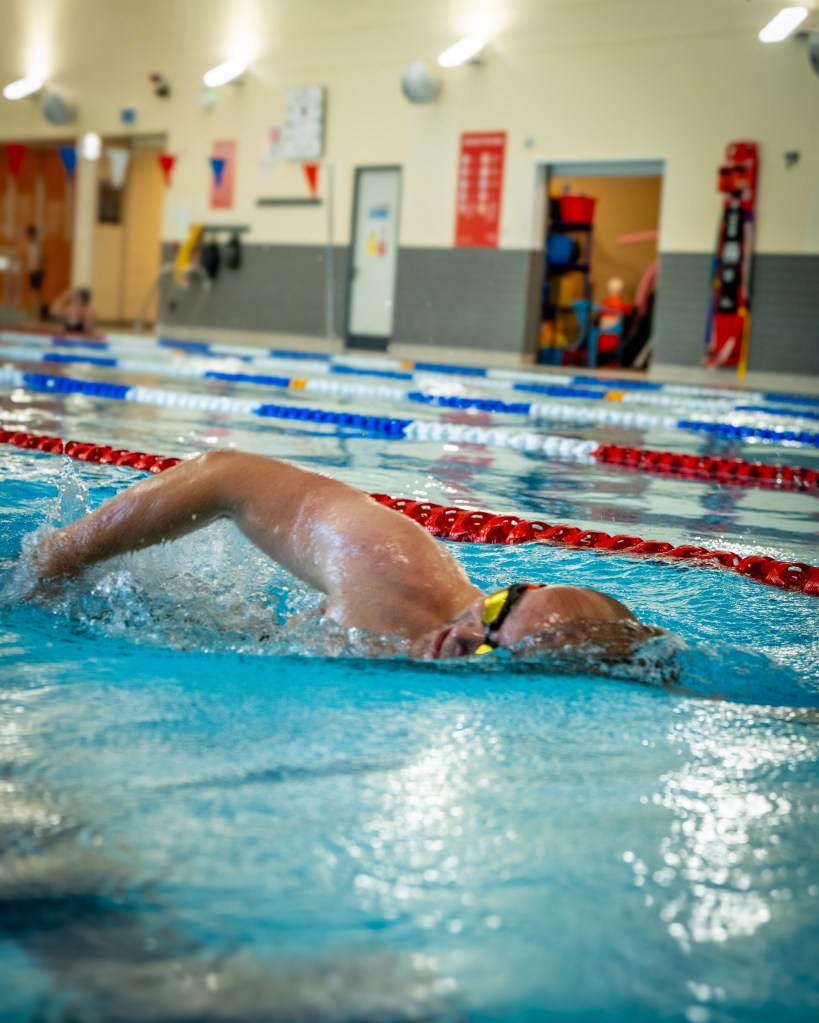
{"x": 465, "y": 526}
{"x": 707, "y": 467}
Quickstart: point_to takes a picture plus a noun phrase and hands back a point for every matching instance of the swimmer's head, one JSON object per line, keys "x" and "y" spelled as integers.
{"x": 542, "y": 615}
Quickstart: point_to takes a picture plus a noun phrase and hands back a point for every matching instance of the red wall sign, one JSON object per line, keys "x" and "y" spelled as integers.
{"x": 480, "y": 186}
{"x": 221, "y": 194}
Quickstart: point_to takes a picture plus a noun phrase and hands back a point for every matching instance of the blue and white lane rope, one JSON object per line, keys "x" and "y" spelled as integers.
{"x": 372, "y": 365}
{"x": 379, "y": 392}
{"x": 407, "y": 428}
{"x": 564, "y": 448}
{"x": 607, "y": 413}
{"x": 554, "y": 385}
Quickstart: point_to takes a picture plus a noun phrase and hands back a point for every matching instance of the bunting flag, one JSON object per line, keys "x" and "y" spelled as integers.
{"x": 166, "y": 162}
{"x": 15, "y": 151}
{"x": 311, "y": 173}
{"x": 217, "y": 165}
{"x": 68, "y": 156}
{"x": 118, "y": 159}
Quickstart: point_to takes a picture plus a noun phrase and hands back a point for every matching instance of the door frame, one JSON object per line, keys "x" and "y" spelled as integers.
{"x": 366, "y": 341}
{"x": 625, "y": 167}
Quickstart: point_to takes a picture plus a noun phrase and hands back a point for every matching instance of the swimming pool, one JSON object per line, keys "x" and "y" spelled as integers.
{"x": 209, "y": 815}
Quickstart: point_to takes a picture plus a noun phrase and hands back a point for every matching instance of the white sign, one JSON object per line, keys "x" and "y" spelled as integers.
{"x": 303, "y": 131}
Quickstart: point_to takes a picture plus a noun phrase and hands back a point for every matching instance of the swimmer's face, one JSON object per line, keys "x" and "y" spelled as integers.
{"x": 537, "y": 611}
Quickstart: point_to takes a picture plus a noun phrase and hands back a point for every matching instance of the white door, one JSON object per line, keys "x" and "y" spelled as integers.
{"x": 374, "y": 257}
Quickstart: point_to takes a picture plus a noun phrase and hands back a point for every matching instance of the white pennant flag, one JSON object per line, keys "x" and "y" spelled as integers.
{"x": 118, "y": 158}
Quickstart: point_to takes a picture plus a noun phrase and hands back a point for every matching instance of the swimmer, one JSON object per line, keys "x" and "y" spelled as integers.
{"x": 380, "y": 571}
{"x": 74, "y": 310}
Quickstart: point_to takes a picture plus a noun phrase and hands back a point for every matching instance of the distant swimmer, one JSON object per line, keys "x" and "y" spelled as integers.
{"x": 74, "y": 311}
{"x": 379, "y": 571}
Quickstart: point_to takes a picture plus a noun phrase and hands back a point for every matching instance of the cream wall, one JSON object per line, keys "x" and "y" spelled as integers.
{"x": 568, "y": 80}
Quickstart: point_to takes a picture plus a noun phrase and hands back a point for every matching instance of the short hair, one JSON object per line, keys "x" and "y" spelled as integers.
{"x": 32, "y": 231}
{"x": 83, "y": 295}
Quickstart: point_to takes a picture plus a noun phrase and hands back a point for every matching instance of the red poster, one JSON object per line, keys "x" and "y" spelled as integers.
{"x": 221, "y": 188}
{"x": 480, "y": 187}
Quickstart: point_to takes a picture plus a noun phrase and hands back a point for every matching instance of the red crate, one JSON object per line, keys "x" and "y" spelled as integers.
{"x": 577, "y": 209}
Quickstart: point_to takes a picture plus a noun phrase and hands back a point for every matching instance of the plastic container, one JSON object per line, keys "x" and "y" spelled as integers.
{"x": 560, "y": 249}
{"x": 577, "y": 209}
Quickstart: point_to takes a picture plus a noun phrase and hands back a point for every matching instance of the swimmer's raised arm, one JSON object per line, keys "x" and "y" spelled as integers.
{"x": 266, "y": 498}
{"x": 336, "y": 538}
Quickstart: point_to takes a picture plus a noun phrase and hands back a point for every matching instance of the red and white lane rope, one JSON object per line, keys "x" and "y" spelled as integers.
{"x": 465, "y": 526}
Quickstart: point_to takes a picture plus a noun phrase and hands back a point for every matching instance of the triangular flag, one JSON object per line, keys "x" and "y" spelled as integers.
{"x": 68, "y": 155}
{"x": 217, "y": 165}
{"x": 311, "y": 173}
{"x": 16, "y": 151}
{"x": 166, "y": 162}
{"x": 118, "y": 160}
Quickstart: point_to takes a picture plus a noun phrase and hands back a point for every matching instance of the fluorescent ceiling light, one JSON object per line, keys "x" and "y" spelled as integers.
{"x": 780, "y": 27}
{"x": 462, "y": 51}
{"x": 23, "y": 87}
{"x": 91, "y": 146}
{"x": 224, "y": 73}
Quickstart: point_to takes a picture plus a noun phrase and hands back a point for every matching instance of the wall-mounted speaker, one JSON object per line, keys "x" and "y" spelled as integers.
{"x": 418, "y": 84}
{"x": 57, "y": 110}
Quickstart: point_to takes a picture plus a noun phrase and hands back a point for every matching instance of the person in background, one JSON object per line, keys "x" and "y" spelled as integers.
{"x": 74, "y": 310}
{"x": 35, "y": 269}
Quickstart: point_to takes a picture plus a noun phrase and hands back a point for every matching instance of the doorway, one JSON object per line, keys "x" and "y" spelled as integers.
{"x": 127, "y": 243}
{"x": 600, "y": 222}
{"x": 38, "y": 195}
{"x": 374, "y": 262}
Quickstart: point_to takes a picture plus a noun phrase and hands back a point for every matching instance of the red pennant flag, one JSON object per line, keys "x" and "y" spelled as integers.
{"x": 166, "y": 162}
{"x": 16, "y": 151}
{"x": 311, "y": 173}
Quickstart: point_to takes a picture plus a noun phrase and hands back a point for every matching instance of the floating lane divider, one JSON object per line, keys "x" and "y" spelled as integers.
{"x": 612, "y": 388}
{"x": 416, "y": 429}
{"x": 465, "y": 526}
{"x": 537, "y": 411}
{"x": 729, "y": 471}
{"x": 346, "y": 388}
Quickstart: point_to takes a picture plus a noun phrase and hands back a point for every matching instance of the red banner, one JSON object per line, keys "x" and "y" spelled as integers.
{"x": 221, "y": 188}
{"x": 480, "y": 188}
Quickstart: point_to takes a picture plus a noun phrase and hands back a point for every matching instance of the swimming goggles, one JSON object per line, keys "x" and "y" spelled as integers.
{"x": 496, "y": 608}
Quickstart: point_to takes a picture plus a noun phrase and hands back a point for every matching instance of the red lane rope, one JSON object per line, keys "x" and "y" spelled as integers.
{"x": 704, "y": 467}
{"x": 465, "y": 526}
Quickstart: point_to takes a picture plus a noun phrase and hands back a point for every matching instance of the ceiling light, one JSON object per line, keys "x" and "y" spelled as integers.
{"x": 91, "y": 146}
{"x": 781, "y": 26}
{"x": 224, "y": 73}
{"x": 462, "y": 51}
{"x": 23, "y": 87}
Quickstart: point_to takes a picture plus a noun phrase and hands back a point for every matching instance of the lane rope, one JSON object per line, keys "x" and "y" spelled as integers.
{"x": 718, "y": 469}
{"x": 616, "y": 388}
{"x": 463, "y": 525}
{"x": 412, "y": 429}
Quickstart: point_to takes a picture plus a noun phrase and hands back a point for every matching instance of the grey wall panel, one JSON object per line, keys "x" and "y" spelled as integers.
{"x": 278, "y": 288}
{"x": 468, "y": 298}
{"x": 682, "y": 308}
{"x": 785, "y": 323}
{"x": 490, "y": 298}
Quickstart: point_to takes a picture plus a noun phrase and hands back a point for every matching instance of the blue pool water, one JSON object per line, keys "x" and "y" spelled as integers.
{"x": 206, "y": 814}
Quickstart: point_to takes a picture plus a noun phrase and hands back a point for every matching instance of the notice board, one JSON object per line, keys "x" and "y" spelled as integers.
{"x": 480, "y": 189}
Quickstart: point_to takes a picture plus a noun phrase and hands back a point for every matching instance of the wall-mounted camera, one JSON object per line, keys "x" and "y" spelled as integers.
{"x": 162, "y": 87}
